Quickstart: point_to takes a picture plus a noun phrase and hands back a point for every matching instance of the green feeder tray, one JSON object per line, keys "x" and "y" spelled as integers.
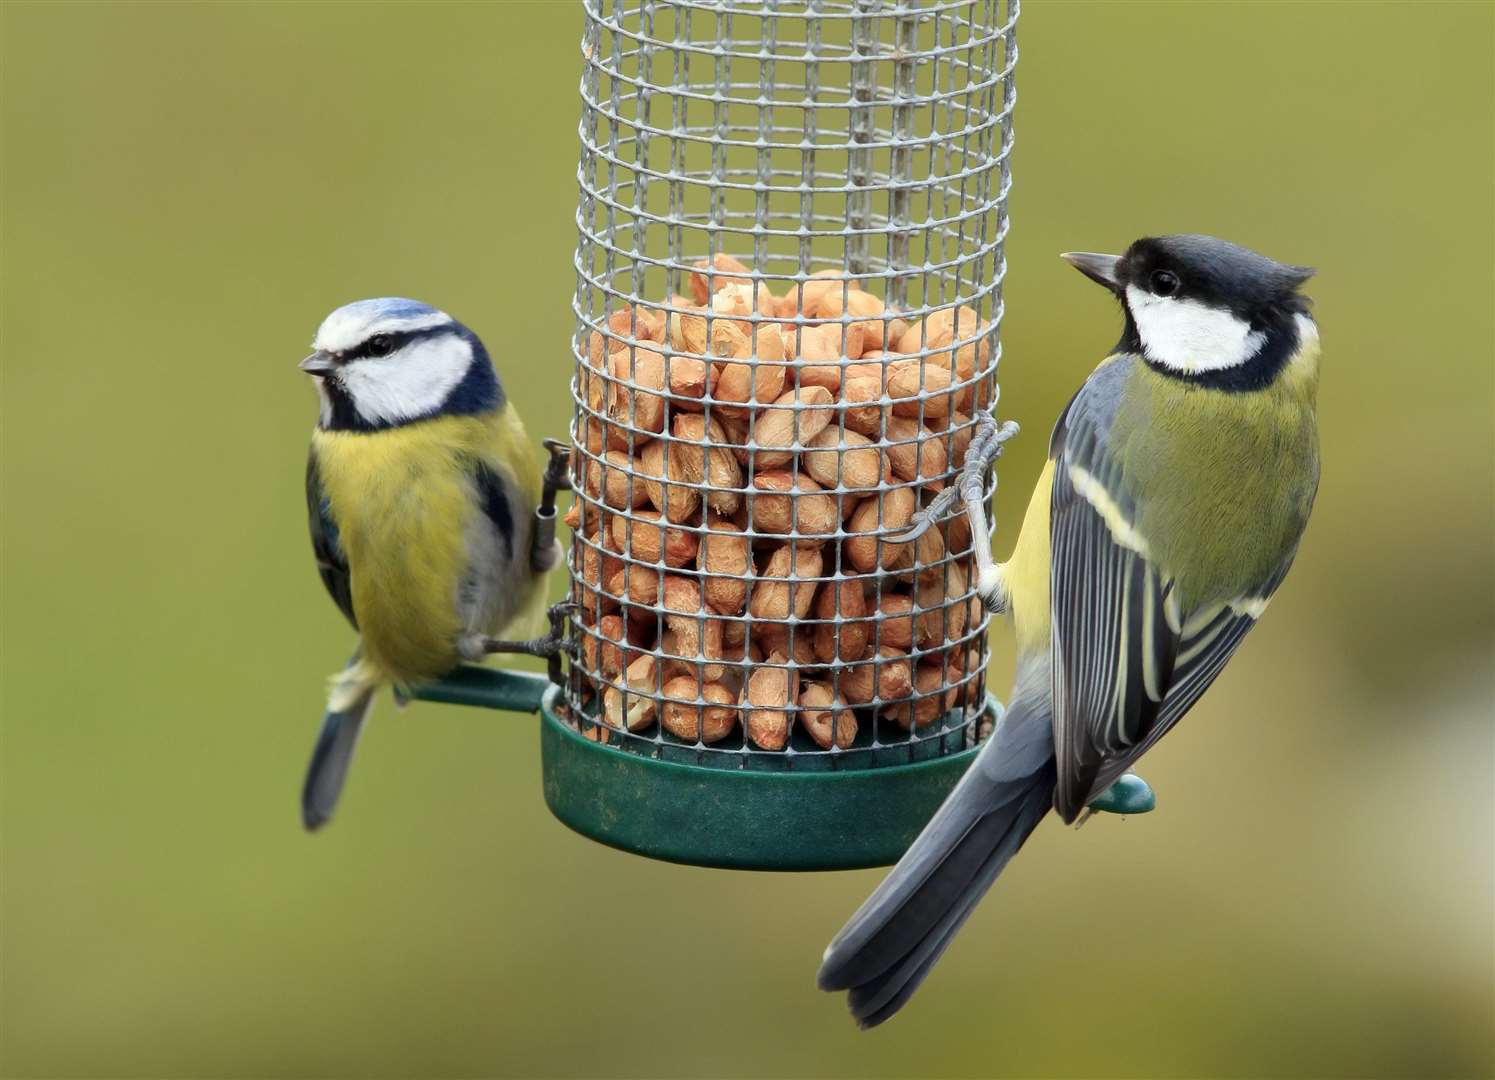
{"x": 798, "y": 810}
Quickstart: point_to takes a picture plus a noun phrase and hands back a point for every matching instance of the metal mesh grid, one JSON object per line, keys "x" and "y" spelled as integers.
{"x": 790, "y": 255}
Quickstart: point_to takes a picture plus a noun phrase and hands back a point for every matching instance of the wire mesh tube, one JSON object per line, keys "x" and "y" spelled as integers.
{"x": 789, "y": 277}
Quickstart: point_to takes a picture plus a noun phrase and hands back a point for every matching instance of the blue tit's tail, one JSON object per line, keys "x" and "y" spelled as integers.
{"x": 887, "y": 948}
{"x": 347, "y": 708}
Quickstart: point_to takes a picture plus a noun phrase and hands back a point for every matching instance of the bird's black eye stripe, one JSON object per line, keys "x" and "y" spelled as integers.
{"x": 1163, "y": 282}
{"x": 387, "y": 344}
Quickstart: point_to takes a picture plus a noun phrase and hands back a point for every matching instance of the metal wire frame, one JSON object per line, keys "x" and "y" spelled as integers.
{"x": 867, "y": 124}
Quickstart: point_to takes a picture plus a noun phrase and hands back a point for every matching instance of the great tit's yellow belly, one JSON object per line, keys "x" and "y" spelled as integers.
{"x": 1025, "y": 576}
{"x": 410, "y": 520}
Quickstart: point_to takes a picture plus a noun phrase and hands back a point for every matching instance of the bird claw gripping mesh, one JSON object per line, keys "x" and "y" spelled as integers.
{"x": 789, "y": 290}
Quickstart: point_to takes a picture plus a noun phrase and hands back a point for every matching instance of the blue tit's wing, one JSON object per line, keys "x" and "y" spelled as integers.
{"x": 332, "y": 564}
{"x": 1127, "y": 664}
{"x": 497, "y": 506}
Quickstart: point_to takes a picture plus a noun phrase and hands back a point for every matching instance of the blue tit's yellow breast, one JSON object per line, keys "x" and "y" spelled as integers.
{"x": 403, "y": 500}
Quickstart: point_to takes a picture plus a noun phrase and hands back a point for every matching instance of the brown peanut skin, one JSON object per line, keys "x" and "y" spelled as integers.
{"x": 923, "y": 711}
{"x": 678, "y": 502}
{"x": 887, "y": 677}
{"x": 791, "y": 502}
{"x": 712, "y": 722}
{"x": 642, "y": 682}
{"x": 770, "y": 689}
{"x": 853, "y": 629}
{"x": 774, "y": 596}
{"x": 798, "y": 415}
{"x": 826, "y": 718}
{"x": 727, "y": 563}
{"x": 898, "y": 506}
{"x": 850, "y": 460}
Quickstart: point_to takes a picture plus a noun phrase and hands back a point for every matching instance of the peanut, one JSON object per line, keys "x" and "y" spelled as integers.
{"x": 635, "y": 409}
{"x": 806, "y": 295}
{"x": 679, "y": 546}
{"x": 898, "y": 505}
{"x": 844, "y": 619}
{"x": 727, "y": 271}
{"x": 642, "y": 684}
{"x": 916, "y": 454}
{"x": 826, "y": 717}
{"x": 774, "y": 596}
{"x": 699, "y": 635}
{"x": 925, "y": 710}
{"x": 896, "y": 621}
{"x": 846, "y": 459}
{"x": 918, "y": 387}
{"x": 773, "y": 637}
{"x": 769, "y": 691}
{"x": 677, "y": 502}
{"x": 791, "y": 502}
{"x": 799, "y": 415}
{"x": 886, "y": 678}
{"x": 685, "y": 718}
{"x": 725, "y": 561}
{"x": 698, "y": 457}
{"x": 686, "y": 333}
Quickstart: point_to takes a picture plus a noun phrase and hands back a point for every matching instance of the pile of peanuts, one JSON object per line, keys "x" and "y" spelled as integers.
{"x": 737, "y": 480}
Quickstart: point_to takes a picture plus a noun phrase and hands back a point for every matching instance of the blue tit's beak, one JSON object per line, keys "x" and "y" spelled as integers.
{"x": 320, "y": 362}
{"x": 1100, "y": 269}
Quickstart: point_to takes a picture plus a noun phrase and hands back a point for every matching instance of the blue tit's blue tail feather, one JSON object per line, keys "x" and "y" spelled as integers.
{"x": 348, "y": 705}
{"x": 888, "y": 947}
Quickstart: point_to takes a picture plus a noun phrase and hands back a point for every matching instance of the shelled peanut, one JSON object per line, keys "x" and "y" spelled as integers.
{"x": 745, "y": 458}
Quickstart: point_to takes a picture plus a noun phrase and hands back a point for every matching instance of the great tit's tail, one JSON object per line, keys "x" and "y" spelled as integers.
{"x": 887, "y": 948}
{"x": 348, "y": 704}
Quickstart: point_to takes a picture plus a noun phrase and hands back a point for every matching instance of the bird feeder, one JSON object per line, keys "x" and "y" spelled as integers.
{"x": 789, "y": 295}
{"x": 789, "y": 274}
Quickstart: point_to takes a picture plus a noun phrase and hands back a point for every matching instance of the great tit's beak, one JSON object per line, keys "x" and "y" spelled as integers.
{"x": 320, "y": 362}
{"x": 1100, "y": 269}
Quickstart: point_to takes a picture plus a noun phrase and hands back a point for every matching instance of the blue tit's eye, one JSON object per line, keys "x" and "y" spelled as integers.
{"x": 380, "y": 345}
{"x": 1163, "y": 282}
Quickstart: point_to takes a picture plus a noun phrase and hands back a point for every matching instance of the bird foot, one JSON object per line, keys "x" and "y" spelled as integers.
{"x": 985, "y": 447}
{"x": 550, "y": 647}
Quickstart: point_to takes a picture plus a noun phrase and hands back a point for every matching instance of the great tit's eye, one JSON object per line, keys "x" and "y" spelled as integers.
{"x": 380, "y": 345}
{"x": 1163, "y": 282}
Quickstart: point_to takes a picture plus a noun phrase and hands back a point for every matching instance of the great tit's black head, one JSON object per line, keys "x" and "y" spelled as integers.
{"x": 1198, "y": 306}
{"x": 391, "y": 361}
{"x": 1213, "y": 272}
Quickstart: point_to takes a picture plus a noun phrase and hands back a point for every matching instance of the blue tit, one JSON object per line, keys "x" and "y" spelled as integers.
{"x": 1179, "y": 482}
{"x": 425, "y": 503}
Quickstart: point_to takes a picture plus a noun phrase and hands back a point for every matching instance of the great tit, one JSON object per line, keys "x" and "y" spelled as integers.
{"x": 428, "y": 522}
{"x": 1179, "y": 482}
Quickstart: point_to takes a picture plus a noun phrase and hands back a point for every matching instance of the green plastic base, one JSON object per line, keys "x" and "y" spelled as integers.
{"x": 738, "y": 818}
{"x": 806, "y": 811}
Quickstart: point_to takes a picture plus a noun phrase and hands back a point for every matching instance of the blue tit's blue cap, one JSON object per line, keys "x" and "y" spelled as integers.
{"x": 355, "y": 322}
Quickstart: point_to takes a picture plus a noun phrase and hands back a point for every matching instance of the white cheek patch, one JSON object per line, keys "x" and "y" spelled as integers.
{"x": 350, "y": 326}
{"x": 1188, "y": 336}
{"x": 413, "y": 382}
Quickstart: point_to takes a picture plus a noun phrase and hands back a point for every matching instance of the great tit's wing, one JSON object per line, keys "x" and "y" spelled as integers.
{"x": 1206, "y": 640}
{"x": 1127, "y": 663}
{"x": 1113, "y": 650}
{"x": 332, "y": 564}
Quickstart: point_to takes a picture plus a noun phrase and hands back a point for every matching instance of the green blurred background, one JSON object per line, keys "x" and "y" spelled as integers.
{"x": 189, "y": 188}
